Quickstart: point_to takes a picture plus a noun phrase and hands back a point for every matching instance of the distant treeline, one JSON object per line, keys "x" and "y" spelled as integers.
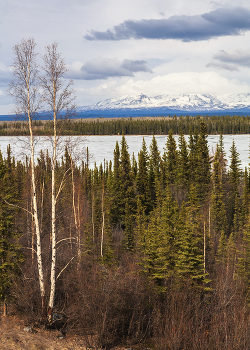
{"x": 134, "y": 126}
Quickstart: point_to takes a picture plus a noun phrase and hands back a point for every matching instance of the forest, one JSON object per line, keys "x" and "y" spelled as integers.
{"x": 160, "y": 125}
{"x": 153, "y": 249}
{"x": 149, "y": 249}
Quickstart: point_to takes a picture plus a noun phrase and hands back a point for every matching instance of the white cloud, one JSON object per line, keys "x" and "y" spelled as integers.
{"x": 174, "y": 83}
{"x": 168, "y": 59}
{"x": 230, "y": 60}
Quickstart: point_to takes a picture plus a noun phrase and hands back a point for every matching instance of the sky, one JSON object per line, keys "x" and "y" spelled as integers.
{"x": 128, "y": 47}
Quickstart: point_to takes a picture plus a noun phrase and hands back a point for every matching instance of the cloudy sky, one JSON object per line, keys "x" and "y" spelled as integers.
{"x": 127, "y": 47}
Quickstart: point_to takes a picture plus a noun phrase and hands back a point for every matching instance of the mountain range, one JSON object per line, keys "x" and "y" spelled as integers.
{"x": 194, "y": 103}
{"x": 142, "y": 105}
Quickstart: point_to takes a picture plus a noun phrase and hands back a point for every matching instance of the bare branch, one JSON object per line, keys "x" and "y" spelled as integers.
{"x": 30, "y": 249}
{"x": 17, "y": 206}
{"x": 65, "y": 267}
{"x": 65, "y": 239}
{"x": 62, "y": 183}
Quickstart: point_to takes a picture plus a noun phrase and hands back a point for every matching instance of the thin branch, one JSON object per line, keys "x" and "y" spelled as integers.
{"x": 62, "y": 183}
{"x": 30, "y": 249}
{"x": 17, "y": 206}
{"x": 64, "y": 239}
{"x": 65, "y": 267}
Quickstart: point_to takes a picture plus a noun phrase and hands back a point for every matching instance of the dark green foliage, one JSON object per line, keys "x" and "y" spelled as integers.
{"x": 10, "y": 252}
{"x": 189, "y": 262}
{"x": 202, "y": 166}
{"x": 167, "y": 217}
{"x": 183, "y": 175}
{"x": 218, "y": 212}
{"x": 135, "y": 126}
{"x": 160, "y": 242}
{"x": 154, "y": 169}
{"x": 170, "y": 158}
{"x": 142, "y": 179}
{"x": 234, "y": 167}
{"x": 235, "y": 175}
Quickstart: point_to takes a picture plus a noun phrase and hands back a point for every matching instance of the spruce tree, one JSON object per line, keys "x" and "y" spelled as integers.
{"x": 115, "y": 183}
{"x": 203, "y": 167}
{"x": 154, "y": 169}
{"x": 140, "y": 228}
{"x": 218, "y": 212}
{"x": 189, "y": 264}
{"x": 10, "y": 252}
{"x": 159, "y": 245}
{"x": 171, "y": 159}
{"x": 234, "y": 176}
{"x": 192, "y": 155}
{"x": 142, "y": 180}
{"x": 245, "y": 199}
{"x": 183, "y": 163}
{"x": 243, "y": 265}
{"x": 127, "y": 193}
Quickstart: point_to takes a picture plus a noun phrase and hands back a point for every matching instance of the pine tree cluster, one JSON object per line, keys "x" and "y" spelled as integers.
{"x": 180, "y": 218}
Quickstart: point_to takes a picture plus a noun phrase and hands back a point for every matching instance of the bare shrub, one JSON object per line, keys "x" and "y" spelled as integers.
{"x": 109, "y": 306}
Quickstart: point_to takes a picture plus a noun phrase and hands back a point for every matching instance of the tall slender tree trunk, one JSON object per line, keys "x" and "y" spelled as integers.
{"x": 53, "y": 216}
{"x": 4, "y": 308}
{"x": 35, "y": 209}
{"x": 103, "y": 222}
{"x": 93, "y": 220}
{"x": 204, "y": 245}
{"x": 25, "y": 90}
{"x": 76, "y": 217}
{"x": 60, "y": 102}
{"x": 79, "y": 232}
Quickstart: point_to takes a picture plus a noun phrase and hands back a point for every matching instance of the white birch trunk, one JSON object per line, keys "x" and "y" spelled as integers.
{"x": 102, "y": 237}
{"x": 93, "y": 221}
{"x": 53, "y": 217}
{"x": 79, "y": 231}
{"x": 60, "y": 99}
{"x": 24, "y": 88}
{"x": 34, "y": 200}
{"x": 204, "y": 247}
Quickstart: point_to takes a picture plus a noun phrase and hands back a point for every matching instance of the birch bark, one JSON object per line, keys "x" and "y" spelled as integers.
{"x": 103, "y": 222}
{"x": 24, "y": 89}
{"x": 60, "y": 103}
{"x": 53, "y": 208}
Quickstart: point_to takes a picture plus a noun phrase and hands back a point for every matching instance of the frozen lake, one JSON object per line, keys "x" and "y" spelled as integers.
{"x": 102, "y": 147}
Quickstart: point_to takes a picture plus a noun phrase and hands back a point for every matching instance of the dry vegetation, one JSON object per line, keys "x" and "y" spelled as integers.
{"x": 13, "y": 337}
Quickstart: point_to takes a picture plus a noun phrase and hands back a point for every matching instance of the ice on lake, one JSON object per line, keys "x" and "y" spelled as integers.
{"x": 102, "y": 147}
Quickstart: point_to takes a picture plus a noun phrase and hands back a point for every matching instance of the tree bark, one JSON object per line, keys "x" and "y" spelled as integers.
{"x": 53, "y": 211}
{"x": 24, "y": 88}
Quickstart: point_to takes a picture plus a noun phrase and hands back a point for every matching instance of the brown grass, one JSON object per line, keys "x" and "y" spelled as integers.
{"x": 13, "y": 337}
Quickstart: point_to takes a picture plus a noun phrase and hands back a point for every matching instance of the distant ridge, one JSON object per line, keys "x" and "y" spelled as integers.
{"x": 143, "y": 105}
{"x": 186, "y": 103}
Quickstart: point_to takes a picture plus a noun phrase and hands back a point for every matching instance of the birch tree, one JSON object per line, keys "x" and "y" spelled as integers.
{"x": 25, "y": 90}
{"x": 60, "y": 100}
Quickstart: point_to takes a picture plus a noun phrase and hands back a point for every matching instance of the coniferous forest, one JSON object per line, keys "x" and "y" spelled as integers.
{"x": 151, "y": 249}
{"x": 226, "y": 124}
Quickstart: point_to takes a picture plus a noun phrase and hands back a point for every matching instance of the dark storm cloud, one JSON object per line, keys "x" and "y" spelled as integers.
{"x": 230, "y": 60}
{"x": 220, "y": 22}
{"x": 103, "y": 68}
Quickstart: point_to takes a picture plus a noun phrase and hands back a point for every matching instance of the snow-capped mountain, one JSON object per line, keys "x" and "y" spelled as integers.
{"x": 187, "y": 103}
